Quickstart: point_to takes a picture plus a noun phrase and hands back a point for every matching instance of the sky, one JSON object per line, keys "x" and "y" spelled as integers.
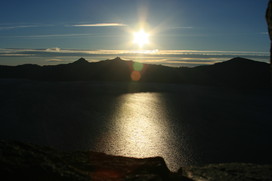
{"x": 181, "y": 32}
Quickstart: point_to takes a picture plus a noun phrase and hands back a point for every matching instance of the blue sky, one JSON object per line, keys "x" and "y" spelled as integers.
{"x": 47, "y": 32}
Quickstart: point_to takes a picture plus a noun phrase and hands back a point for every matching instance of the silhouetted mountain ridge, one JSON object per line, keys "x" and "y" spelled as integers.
{"x": 81, "y": 61}
{"x": 237, "y": 72}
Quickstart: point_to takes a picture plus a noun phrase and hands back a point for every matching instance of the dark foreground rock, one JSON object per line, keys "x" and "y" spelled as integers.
{"x": 21, "y": 161}
{"x": 229, "y": 171}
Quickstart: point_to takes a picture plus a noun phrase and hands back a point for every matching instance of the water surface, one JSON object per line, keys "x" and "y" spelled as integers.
{"x": 184, "y": 124}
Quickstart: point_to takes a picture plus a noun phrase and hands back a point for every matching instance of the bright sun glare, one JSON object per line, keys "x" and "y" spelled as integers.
{"x": 141, "y": 38}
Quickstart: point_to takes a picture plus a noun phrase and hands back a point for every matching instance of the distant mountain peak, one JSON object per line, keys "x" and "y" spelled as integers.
{"x": 244, "y": 60}
{"x": 117, "y": 59}
{"x": 81, "y": 61}
{"x": 240, "y": 59}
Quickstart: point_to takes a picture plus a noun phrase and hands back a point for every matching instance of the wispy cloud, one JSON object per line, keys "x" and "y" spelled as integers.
{"x": 53, "y": 35}
{"x": 15, "y": 27}
{"x": 181, "y": 27}
{"x": 15, "y": 55}
{"x": 55, "y": 60}
{"x": 100, "y": 25}
{"x": 165, "y": 57}
{"x": 56, "y": 49}
{"x": 50, "y": 36}
{"x": 155, "y": 52}
{"x": 21, "y": 26}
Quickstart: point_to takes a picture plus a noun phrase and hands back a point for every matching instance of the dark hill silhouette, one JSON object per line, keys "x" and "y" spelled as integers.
{"x": 81, "y": 61}
{"x": 237, "y": 72}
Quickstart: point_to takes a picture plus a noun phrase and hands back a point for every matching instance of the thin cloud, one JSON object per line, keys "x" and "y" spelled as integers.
{"x": 53, "y": 49}
{"x": 66, "y": 35}
{"x": 155, "y": 52}
{"x": 16, "y": 26}
{"x": 53, "y": 35}
{"x": 15, "y": 55}
{"x": 192, "y": 62}
{"x": 173, "y": 57}
{"x": 100, "y": 25}
{"x": 181, "y": 27}
{"x": 55, "y": 60}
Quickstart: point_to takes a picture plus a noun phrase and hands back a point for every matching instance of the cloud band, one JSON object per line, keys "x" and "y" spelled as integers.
{"x": 100, "y": 25}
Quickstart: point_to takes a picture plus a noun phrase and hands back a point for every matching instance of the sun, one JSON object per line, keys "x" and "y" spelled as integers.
{"x": 141, "y": 38}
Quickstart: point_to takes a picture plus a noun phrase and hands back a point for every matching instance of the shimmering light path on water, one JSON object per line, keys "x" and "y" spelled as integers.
{"x": 140, "y": 127}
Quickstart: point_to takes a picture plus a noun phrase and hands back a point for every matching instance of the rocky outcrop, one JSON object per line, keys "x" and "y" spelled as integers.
{"x": 229, "y": 172}
{"x": 22, "y": 161}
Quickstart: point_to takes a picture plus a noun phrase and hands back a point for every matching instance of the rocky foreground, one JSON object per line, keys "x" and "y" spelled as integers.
{"x": 22, "y": 161}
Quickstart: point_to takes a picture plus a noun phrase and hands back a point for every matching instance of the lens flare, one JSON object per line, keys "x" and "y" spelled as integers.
{"x": 135, "y": 75}
{"x": 138, "y": 66}
{"x": 137, "y": 70}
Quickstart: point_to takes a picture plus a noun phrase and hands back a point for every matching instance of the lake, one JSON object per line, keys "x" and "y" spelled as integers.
{"x": 184, "y": 124}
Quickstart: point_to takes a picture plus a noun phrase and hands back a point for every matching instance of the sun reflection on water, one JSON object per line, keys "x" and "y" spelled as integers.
{"x": 140, "y": 128}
